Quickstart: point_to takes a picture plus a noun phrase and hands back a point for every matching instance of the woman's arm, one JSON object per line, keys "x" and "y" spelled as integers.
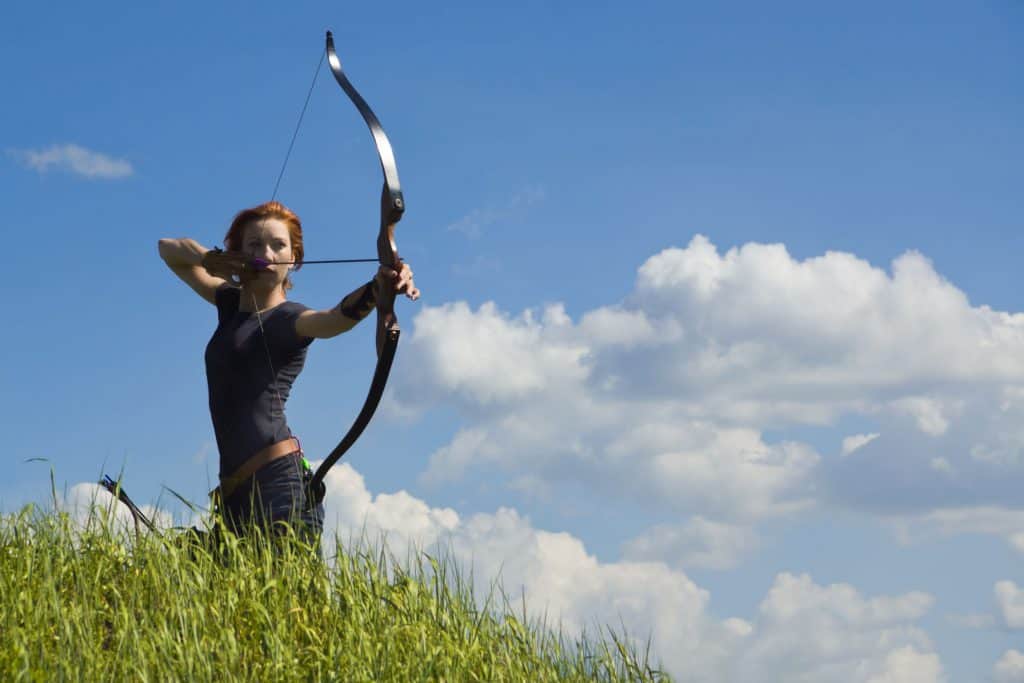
{"x": 185, "y": 258}
{"x": 342, "y": 318}
{"x": 356, "y": 306}
{"x": 323, "y": 324}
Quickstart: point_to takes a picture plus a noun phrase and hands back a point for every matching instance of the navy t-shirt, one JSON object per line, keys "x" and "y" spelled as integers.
{"x": 246, "y": 397}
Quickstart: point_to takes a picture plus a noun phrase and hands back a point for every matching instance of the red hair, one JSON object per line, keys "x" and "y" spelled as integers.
{"x": 246, "y": 217}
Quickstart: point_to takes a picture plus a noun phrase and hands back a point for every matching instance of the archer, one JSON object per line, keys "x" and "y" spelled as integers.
{"x": 256, "y": 353}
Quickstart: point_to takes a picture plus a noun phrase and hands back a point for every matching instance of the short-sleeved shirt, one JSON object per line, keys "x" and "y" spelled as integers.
{"x": 249, "y": 374}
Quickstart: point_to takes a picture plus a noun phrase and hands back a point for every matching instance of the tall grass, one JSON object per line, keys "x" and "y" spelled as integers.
{"x": 94, "y": 604}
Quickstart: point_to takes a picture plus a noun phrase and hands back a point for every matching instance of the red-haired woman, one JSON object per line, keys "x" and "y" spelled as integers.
{"x": 255, "y": 354}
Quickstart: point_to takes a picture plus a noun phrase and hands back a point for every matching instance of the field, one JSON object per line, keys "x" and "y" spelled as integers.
{"x": 93, "y": 602}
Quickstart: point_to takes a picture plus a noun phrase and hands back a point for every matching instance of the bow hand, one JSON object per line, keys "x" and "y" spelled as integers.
{"x": 390, "y": 282}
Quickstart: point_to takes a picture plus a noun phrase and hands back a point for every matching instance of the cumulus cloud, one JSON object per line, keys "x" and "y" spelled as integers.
{"x": 1010, "y": 601}
{"x": 75, "y": 159}
{"x": 88, "y": 503}
{"x": 667, "y": 395}
{"x": 907, "y": 665}
{"x": 553, "y": 570}
{"x": 831, "y": 329}
{"x": 802, "y": 632}
{"x": 353, "y": 512}
{"x": 697, "y": 544}
{"x": 1009, "y": 668}
{"x": 525, "y": 383}
{"x": 944, "y": 522}
{"x": 808, "y": 632}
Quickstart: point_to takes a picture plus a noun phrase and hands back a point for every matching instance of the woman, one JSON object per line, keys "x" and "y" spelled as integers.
{"x": 257, "y": 352}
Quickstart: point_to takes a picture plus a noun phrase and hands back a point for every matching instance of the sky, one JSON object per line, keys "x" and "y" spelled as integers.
{"x": 720, "y": 338}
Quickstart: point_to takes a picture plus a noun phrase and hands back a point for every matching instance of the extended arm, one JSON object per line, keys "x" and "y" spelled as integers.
{"x": 357, "y": 305}
{"x": 342, "y": 318}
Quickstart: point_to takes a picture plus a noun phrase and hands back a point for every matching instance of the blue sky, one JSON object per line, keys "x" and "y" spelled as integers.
{"x": 720, "y": 320}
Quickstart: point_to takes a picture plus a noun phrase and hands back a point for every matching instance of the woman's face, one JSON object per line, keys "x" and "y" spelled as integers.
{"x": 270, "y": 241}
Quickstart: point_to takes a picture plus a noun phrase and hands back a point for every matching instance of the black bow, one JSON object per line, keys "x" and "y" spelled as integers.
{"x": 392, "y": 206}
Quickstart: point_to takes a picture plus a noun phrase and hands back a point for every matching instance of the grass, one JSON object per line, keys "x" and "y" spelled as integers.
{"x": 90, "y": 602}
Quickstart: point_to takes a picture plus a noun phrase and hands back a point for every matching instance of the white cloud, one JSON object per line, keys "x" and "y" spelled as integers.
{"x": 524, "y": 381}
{"x": 807, "y": 632}
{"x": 990, "y": 520}
{"x": 558, "y": 576}
{"x": 852, "y": 443}
{"x": 1009, "y": 668}
{"x": 1010, "y": 601}
{"x": 683, "y": 466}
{"x": 833, "y": 327}
{"x": 929, "y": 414}
{"x": 353, "y": 511}
{"x": 1017, "y": 542}
{"x": 803, "y": 631}
{"x": 75, "y": 159}
{"x": 491, "y": 359}
{"x": 89, "y": 504}
{"x": 907, "y": 665}
{"x": 667, "y": 395}
{"x": 614, "y": 327}
{"x": 698, "y": 544}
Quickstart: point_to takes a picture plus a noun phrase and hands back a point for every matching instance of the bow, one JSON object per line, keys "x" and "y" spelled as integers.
{"x": 392, "y": 206}
{"x": 114, "y": 488}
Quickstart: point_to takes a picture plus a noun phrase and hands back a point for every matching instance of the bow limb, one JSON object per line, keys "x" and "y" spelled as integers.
{"x": 114, "y": 488}
{"x": 392, "y": 206}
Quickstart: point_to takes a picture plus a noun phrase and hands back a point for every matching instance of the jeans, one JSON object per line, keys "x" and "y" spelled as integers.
{"x": 275, "y": 496}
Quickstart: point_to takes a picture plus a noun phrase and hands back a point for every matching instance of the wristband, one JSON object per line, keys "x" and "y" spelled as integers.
{"x": 359, "y": 303}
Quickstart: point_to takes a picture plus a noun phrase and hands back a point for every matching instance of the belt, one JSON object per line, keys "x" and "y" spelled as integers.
{"x": 228, "y": 485}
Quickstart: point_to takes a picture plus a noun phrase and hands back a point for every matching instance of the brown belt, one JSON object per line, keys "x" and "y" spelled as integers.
{"x": 254, "y": 464}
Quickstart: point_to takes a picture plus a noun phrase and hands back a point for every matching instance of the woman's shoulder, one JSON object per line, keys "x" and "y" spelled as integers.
{"x": 227, "y": 291}
{"x": 227, "y": 298}
{"x": 288, "y": 312}
{"x": 292, "y": 307}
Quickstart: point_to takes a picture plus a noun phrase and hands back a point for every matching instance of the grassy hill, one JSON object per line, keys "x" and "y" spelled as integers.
{"x": 98, "y": 604}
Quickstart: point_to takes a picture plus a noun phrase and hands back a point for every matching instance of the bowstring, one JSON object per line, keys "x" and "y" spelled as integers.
{"x": 295, "y": 133}
{"x": 273, "y": 197}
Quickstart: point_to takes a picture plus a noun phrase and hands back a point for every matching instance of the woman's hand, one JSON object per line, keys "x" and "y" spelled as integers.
{"x": 399, "y": 280}
{"x": 228, "y": 265}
